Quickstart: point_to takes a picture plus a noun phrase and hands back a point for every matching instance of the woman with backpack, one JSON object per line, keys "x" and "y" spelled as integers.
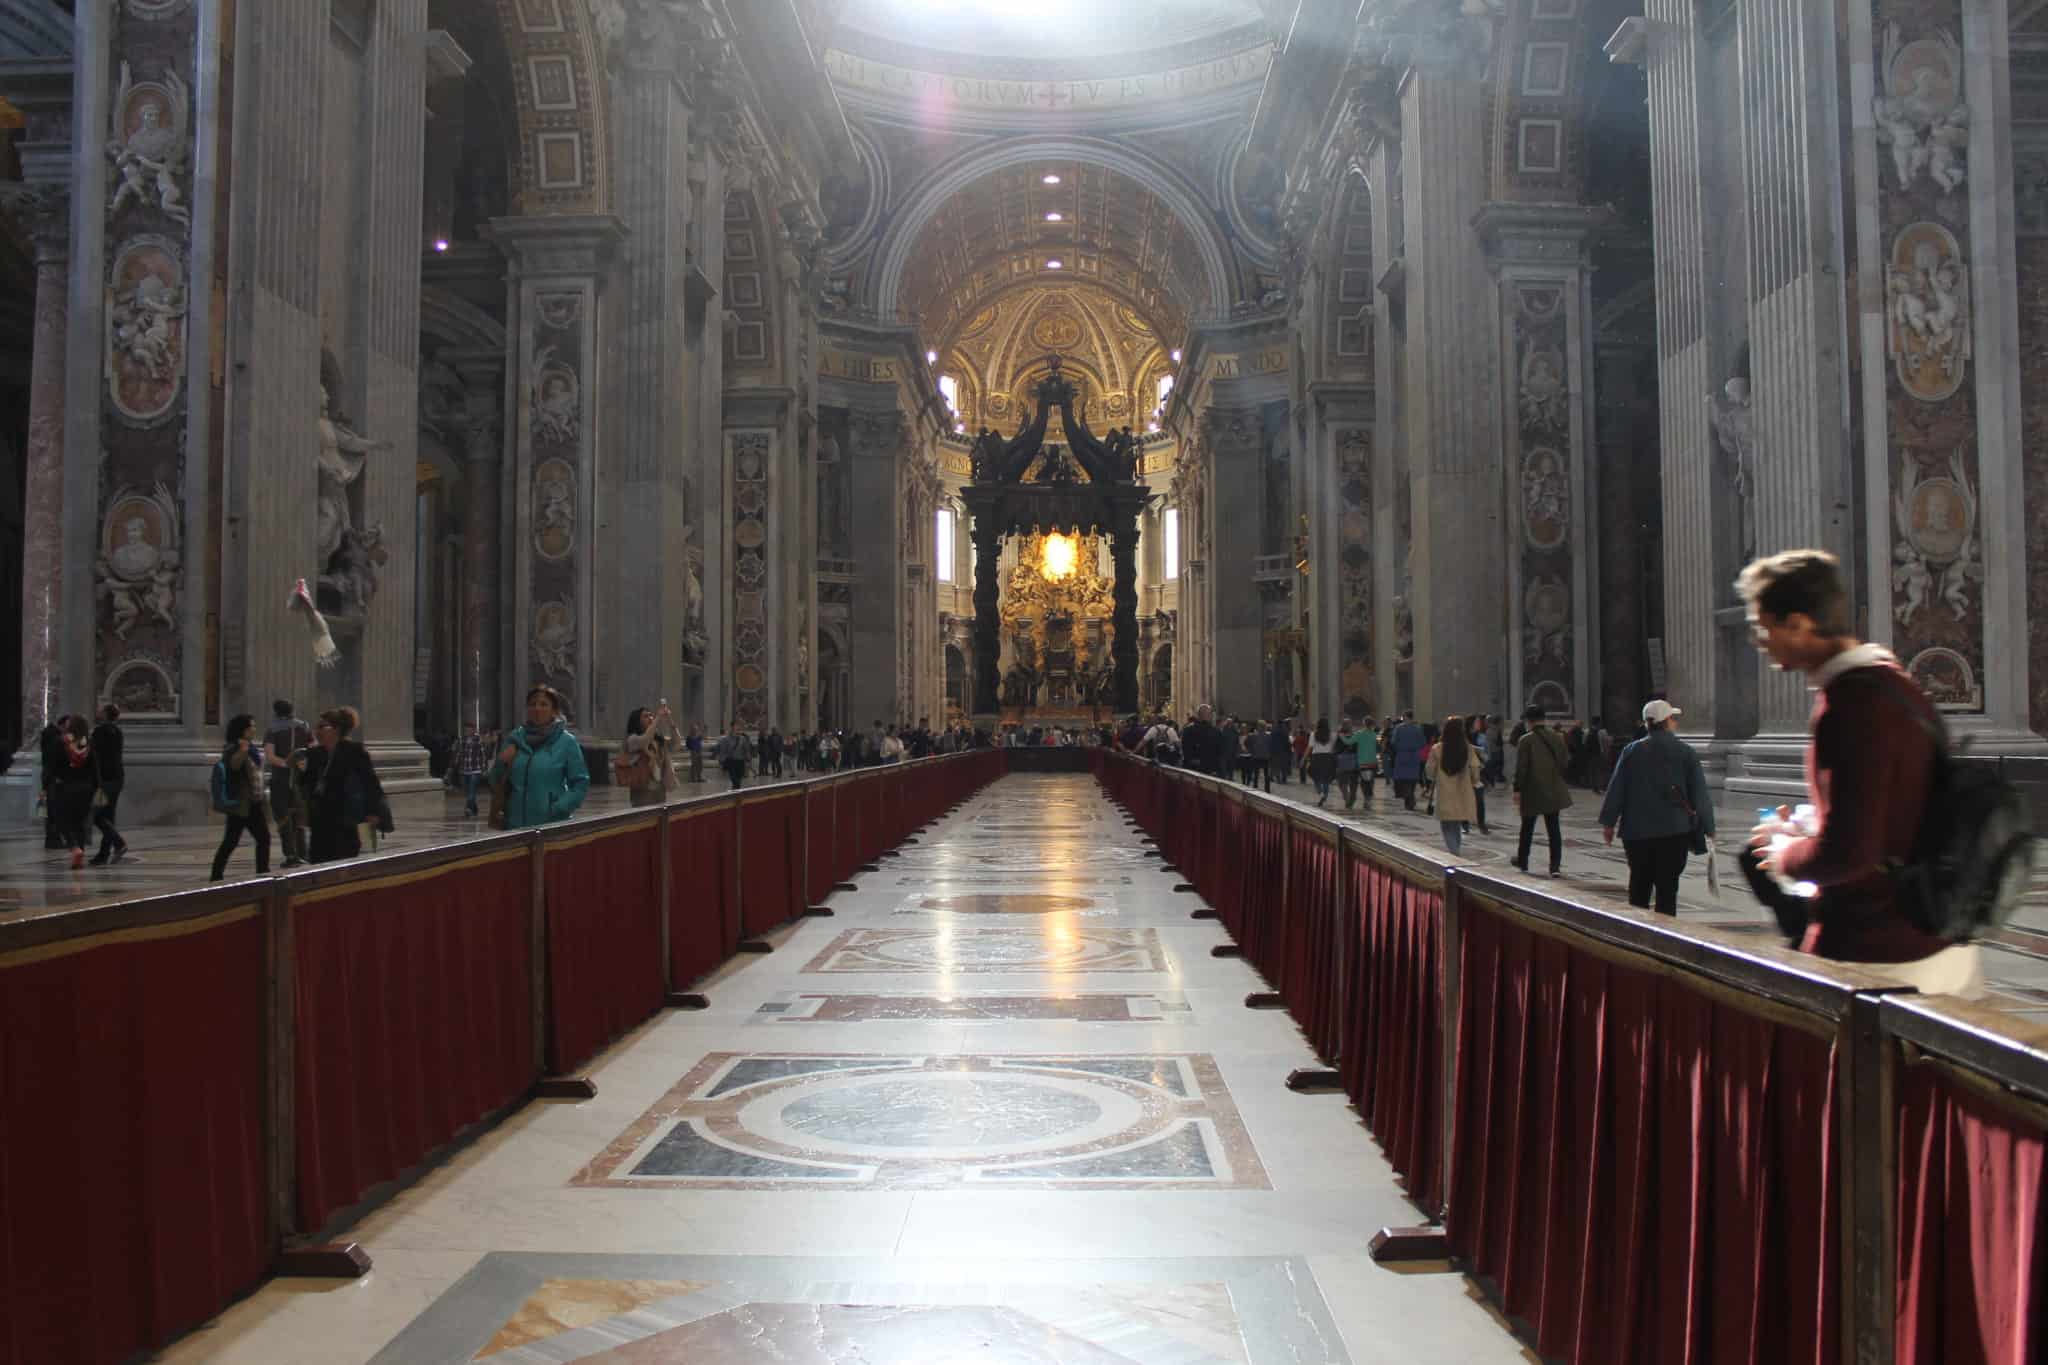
{"x": 342, "y": 792}
{"x": 238, "y": 794}
{"x": 541, "y": 765}
{"x": 1322, "y": 761}
{"x": 646, "y": 768}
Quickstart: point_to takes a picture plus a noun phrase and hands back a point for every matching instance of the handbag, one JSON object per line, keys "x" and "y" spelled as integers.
{"x": 1676, "y": 791}
{"x": 501, "y": 803}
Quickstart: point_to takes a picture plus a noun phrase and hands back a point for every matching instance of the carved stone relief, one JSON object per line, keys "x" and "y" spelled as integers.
{"x": 554, "y": 638}
{"x": 1923, "y": 116}
{"x": 554, "y": 509}
{"x": 749, "y": 456}
{"x": 137, "y": 570}
{"x": 1936, "y": 557}
{"x": 1927, "y": 289}
{"x": 146, "y": 329}
{"x": 149, "y": 144}
{"x": 1546, "y": 498}
{"x": 1354, "y": 572}
{"x": 557, "y": 402}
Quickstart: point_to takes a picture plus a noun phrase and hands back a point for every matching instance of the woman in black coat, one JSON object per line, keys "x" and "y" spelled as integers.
{"x": 341, "y": 788}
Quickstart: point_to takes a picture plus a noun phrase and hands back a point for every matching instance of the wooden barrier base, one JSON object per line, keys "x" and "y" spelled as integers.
{"x": 911, "y": 840}
{"x": 1169, "y": 869}
{"x": 845, "y": 886}
{"x": 1394, "y": 1245}
{"x": 1314, "y": 1080}
{"x": 869, "y": 867}
{"x": 755, "y": 945}
{"x": 565, "y": 1088}
{"x": 324, "y": 1261}
{"x": 890, "y": 853}
{"x": 687, "y": 1000}
{"x": 1264, "y": 1000}
{"x": 818, "y": 912}
{"x": 1226, "y": 950}
{"x": 1154, "y": 853}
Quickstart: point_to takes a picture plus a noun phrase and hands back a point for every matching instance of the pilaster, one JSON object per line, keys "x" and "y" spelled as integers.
{"x": 556, "y": 308}
{"x": 1539, "y": 256}
{"x": 1235, "y": 613}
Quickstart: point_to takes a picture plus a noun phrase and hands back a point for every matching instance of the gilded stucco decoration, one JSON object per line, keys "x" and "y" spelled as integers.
{"x": 559, "y": 84}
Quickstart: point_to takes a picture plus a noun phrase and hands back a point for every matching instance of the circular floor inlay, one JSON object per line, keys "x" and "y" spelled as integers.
{"x": 939, "y": 1113}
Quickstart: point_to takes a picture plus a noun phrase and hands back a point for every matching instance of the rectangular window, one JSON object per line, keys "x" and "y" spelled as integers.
{"x": 1169, "y": 541}
{"x": 943, "y": 545}
{"x": 949, "y": 389}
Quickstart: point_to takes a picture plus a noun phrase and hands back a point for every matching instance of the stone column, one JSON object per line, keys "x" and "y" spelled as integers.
{"x": 873, "y": 617}
{"x": 45, "y": 211}
{"x": 988, "y": 629}
{"x": 1458, "y": 531}
{"x": 1539, "y": 256}
{"x": 482, "y": 479}
{"x": 1236, "y": 615}
{"x": 648, "y": 589}
{"x": 555, "y": 317}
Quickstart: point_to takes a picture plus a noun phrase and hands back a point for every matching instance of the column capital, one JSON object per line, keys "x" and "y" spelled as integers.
{"x": 1559, "y": 237}
{"x": 558, "y": 243}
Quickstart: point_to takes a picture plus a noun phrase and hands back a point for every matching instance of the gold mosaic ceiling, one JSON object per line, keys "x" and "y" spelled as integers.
{"x": 1001, "y": 233}
{"x": 1107, "y": 347}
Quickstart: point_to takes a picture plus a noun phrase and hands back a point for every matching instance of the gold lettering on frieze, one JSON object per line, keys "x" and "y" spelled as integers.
{"x": 861, "y": 74}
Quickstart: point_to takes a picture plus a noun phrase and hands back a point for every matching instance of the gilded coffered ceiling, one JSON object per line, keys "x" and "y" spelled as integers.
{"x": 1008, "y": 229}
{"x": 1106, "y": 346}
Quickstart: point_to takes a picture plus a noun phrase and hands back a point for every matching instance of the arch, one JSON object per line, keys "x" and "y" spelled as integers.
{"x": 449, "y": 318}
{"x": 910, "y": 218}
{"x": 563, "y": 162}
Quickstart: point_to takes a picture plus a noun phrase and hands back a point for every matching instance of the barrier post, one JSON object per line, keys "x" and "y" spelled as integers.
{"x": 547, "y": 1087}
{"x": 1429, "y": 1241}
{"x": 1271, "y": 999}
{"x": 1868, "y": 1121}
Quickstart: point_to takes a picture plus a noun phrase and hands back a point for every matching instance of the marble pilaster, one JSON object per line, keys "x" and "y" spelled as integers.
{"x": 482, "y": 493}
{"x": 1539, "y": 256}
{"x": 45, "y": 210}
{"x": 1235, "y": 617}
{"x": 556, "y": 314}
{"x": 874, "y": 622}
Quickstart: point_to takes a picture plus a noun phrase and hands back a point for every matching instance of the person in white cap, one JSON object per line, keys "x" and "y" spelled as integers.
{"x": 1658, "y": 798}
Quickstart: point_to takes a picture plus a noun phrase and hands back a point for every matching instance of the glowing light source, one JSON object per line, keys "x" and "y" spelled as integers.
{"x": 1176, "y": 357}
{"x": 1055, "y": 217}
{"x": 931, "y": 357}
{"x": 1152, "y": 426}
{"x": 440, "y": 244}
{"x": 1062, "y": 556}
{"x": 1052, "y": 180}
{"x": 1053, "y": 265}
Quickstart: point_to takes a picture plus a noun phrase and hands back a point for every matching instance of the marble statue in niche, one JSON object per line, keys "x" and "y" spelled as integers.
{"x": 1937, "y": 556}
{"x": 554, "y": 509}
{"x": 1734, "y": 423}
{"x": 137, "y": 571}
{"x": 148, "y": 144}
{"x": 345, "y": 554}
{"x": 1923, "y": 115}
{"x": 554, "y": 637}
{"x": 1546, "y": 498}
{"x": 1927, "y": 289}
{"x": 146, "y": 329}
{"x": 557, "y": 401}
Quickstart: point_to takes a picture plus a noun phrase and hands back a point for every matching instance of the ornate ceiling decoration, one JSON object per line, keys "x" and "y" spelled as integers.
{"x": 1109, "y": 349}
{"x": 1004, "y": 230}
{"x": 1066, "y": 39}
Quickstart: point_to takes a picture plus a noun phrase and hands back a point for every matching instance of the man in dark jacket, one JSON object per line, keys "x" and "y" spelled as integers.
{"x": 1868, "y": 771}
{"x": 1659, "y": 799}
{"x": 1408, "y": 746}
{"x": 107, "y": 767}
{"x": 1541, "y": 788}
{"x": 1200, "y": 740}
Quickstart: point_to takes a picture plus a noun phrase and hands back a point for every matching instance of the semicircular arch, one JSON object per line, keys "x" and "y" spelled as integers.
{"x": 925, "y": 200}
{"x": 556, "y": 50}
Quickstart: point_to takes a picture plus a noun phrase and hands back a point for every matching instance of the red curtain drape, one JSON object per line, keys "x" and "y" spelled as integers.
{"x": 1310, "y": 927}
{"x": 415, "y": 1019}
{"x": 1252, "y": 869}
{"x": 820, "y": 844}
{"x": 771, "y": 863}
{"x": 132, "y": 1165}
{"x": 1973, "y": 1229}
{"x": 846, "y": 828}
{"x": 1644, "y": 1171}
{"x": 1391, "y": 1045}
{"x": 604, "y": 940}
{"x": 703, "y": 926}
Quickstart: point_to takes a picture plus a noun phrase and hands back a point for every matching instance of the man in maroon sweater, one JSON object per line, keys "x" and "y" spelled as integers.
{"x": 1868, "y": 772}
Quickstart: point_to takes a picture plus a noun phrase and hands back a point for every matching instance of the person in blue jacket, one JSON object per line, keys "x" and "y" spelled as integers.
{"x": 542, "y": 765}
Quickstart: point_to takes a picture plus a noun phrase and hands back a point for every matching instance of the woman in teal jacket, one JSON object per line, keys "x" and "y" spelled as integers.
{"x": 542, "y": 765}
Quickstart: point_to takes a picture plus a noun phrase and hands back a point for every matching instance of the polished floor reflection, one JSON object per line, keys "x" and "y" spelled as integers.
{"x": 1003, "y": 1107}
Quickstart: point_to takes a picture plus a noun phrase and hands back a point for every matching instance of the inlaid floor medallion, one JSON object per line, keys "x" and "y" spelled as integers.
{"x": 1101, "y": 1007}
{"x": 795, "y": 1121}
{"x": 978, "y": 949}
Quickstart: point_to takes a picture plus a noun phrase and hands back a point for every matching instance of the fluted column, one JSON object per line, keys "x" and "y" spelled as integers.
{"x": 1459, "y": 583}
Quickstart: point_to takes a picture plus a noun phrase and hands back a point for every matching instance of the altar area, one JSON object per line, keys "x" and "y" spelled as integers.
{"x": 1056, "y": 609}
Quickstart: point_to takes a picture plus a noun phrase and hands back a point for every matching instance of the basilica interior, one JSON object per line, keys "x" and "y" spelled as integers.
{"x": 1020, "y": 370}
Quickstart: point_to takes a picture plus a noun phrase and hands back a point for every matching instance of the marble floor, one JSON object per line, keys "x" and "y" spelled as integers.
{"x": 1004, "y": 1107}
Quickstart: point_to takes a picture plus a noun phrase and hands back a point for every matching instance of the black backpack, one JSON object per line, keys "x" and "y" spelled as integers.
{"x": 1975, "y": 852}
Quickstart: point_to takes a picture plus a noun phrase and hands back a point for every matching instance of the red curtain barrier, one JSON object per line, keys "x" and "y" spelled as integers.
{"x": 820, "y": 843}
{"x": 771, "y": 862}
{"x": 415, "y": 1019}
{"x": 1391, "y": 1047}
{"x": 1253, "y": 866}
{"x": 132, "y": 1165}
{"x": 703, "y": 923}
{"x": 1973, "y": 1229}
{"x": 1309, "y": 954}
{"x": 604, "y": 939}
{"x": 1646, "y": 1171}
{"x": 846, "y": 836}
